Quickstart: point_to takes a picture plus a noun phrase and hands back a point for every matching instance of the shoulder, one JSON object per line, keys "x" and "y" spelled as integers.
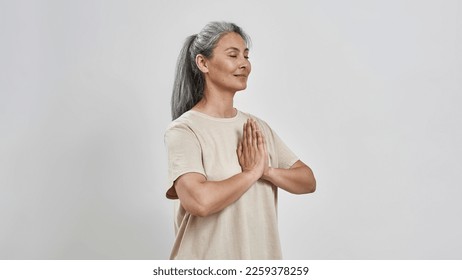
{"x": 180, "y": 128}
{"x": 184, "y": 122}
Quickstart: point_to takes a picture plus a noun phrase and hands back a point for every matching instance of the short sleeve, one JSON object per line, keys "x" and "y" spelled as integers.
{"x": 286, "y": 158}
{"x": 184, "y": 154}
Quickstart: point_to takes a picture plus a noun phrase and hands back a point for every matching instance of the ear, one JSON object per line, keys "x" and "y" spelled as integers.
{"x": 201, "y": 62}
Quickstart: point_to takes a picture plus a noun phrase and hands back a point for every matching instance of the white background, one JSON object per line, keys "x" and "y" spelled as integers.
{"x": 367, "y": 93}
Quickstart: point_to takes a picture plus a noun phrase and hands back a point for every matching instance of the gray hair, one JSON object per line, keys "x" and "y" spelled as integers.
{"x": 188, "y": 87}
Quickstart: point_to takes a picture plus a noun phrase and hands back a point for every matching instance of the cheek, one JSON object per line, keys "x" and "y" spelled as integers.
{"x": 225, "y": 67}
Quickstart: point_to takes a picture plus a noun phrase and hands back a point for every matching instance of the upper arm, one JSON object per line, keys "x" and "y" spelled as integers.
{"x": 188, "y": 187}
{"x": 184, "y": 155}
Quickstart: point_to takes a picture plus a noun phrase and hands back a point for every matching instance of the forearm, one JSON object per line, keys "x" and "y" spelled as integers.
{"x": 203, "y": 198}
{"x": 217, "y": 195}
{"x": 298, "y": 179}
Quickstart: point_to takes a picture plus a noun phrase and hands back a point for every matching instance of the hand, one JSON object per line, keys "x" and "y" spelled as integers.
{"x": 251, "y": 150}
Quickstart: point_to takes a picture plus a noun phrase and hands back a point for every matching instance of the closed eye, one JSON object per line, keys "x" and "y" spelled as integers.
{"x": 235, "y": 56}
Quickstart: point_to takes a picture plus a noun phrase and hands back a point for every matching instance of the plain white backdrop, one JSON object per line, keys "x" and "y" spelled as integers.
{"x": 367, "y": 93}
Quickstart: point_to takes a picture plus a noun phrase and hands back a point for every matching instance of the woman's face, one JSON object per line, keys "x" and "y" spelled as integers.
{"x": 229, "y": 66}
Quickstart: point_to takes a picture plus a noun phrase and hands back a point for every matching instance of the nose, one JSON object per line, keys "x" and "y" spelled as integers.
{"x": 244, "y": 64}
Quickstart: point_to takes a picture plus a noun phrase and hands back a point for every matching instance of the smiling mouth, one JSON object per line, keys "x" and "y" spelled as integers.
{"x": 244, "y": 76}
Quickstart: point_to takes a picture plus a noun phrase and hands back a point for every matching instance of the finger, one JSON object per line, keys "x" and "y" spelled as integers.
{"x": 260, "y": 139}
{"x": 239, "y": 150}
{"x": 254, "y": 139}
{"x": 254, "y": 134}
{"x": 249, "y": 133}
{"x": 247, "y": 142}
{"x": 260, "y": 142}
{"x": 264, "y": 151}
{"x": 263, "y": 139}
{"x": 244, "y": 137}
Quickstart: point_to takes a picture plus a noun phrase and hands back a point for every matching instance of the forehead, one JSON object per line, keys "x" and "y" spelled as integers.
{"x": 231, "y": 40}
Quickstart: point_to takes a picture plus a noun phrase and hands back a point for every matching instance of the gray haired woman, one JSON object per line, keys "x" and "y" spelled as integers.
{"x": 225, "y": 166}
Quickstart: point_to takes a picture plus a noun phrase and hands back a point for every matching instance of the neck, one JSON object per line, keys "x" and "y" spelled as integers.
{"x": 217, "y": 104}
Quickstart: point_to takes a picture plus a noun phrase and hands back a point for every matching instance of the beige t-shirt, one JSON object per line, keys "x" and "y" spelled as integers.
{"x": 246, "y": 229}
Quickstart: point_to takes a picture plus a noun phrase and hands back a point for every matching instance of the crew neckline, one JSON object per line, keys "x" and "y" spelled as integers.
{"x": 204, "y": 115}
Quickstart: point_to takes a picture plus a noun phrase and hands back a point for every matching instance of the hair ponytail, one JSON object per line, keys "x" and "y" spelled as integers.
{"x": 188, "y": 87}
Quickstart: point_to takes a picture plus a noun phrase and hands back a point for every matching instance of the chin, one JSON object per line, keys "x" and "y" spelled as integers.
{"x": 242, "y": 87}
{"x": 237, "y": 87}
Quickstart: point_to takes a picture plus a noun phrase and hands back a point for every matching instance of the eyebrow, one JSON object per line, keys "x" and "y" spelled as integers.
{"x": 236, "y": 49}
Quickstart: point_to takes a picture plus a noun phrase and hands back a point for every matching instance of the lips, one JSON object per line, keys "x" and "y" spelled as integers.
{"x": 241, "y": 75}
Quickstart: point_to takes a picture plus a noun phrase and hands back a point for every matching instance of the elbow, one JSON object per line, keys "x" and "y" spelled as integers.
{"x": 194, "y": 200}
{"x": 312, "y": 187}
{"x": 311, "y": 184}
{"x": 308, "y": 187}
{"x": 199, "y": 209}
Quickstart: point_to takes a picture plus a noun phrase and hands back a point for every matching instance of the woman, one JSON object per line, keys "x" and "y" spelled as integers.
{"x": 225, "y": 166}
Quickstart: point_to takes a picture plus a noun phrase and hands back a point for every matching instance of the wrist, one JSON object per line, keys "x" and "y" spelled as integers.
{"x": 252, "y": 174}
{"x": 267, "y": 174}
